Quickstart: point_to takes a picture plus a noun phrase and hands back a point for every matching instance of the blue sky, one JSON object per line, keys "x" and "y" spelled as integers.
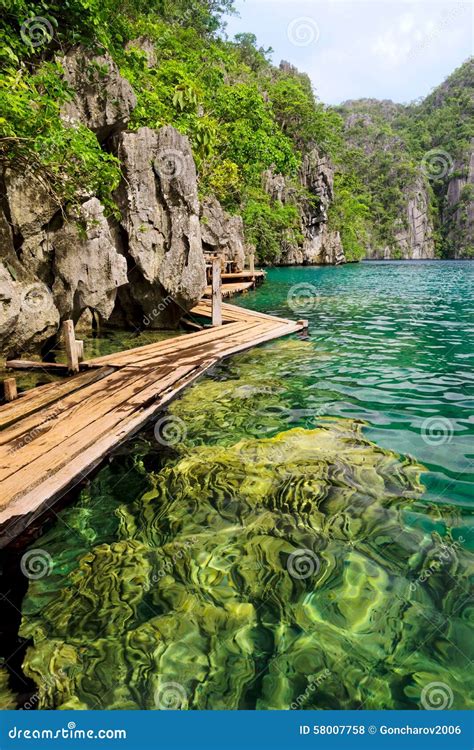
{"x": 375, "y": 48}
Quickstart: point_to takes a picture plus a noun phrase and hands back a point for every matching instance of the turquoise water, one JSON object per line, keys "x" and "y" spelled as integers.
{"x": 296, "y": 533}
{"x": 400, "y": 343}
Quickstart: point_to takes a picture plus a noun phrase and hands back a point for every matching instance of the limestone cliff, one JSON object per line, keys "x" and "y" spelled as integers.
{"x": 318, "y": 245}
{"x": 401, "y": 224}
{"x": 58, "y": 262}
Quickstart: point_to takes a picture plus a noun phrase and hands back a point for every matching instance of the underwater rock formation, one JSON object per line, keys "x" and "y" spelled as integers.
{"x": 271, "y": 569}
{"x": 7, "y": 697}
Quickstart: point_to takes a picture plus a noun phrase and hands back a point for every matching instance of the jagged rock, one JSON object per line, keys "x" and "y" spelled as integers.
{"x": 160, "y": 215}
{"x": 28, "y": 315}
{"x": 317, "y": 176}
{"x": 414, "y": 233}
{"x": 33, "y": 212}
{"x": 103, "y": 100}
{"x": 87, "y": 267}
{"x": 222, "y": 233}
{"x": 458, "y": 213}
{"x": 146, "y": 46}
{"x": 275, "y": 186}
{"x": 320, "y": 246}
{"x": 325, "y": 248}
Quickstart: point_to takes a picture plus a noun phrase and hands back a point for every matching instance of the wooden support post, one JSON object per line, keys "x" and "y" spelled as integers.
{"x": 80, "y": 350}
{"x": 216, "y": 292}
{"x": 71, "y": 347}
{"x": 252, "y": 262}
{"x": 303, "y": 323}
{"x": 10, "y": 389}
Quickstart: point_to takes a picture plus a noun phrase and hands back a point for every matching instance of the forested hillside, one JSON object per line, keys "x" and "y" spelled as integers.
{"x": 416, "y": 163}
{"x": 251, "y": 126}
{"x": 242, "y": 115}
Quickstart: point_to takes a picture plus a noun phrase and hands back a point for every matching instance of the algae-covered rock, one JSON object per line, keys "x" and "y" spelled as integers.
{"x": 270, "y": 569}
{"x": 7, "y": 697}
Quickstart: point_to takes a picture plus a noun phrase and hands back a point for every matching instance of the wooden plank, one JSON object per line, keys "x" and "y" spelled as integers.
{"x": 70, "y": 431}
{"x": 80, "y": 350}
{"x": 64, "y": 419}
{"x": 64, "y": 479}
{"x": 228, "y": 290}
{"x": 161, "y": 348}
{"x": 43, "y": 465}
{"x": 43, "y": 395}
{"x": 27, "y": 364}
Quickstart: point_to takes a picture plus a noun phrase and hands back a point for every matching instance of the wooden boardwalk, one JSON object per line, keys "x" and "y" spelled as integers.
{"x": 54, "y": 435}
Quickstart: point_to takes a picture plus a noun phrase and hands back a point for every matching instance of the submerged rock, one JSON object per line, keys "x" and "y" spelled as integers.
{"x": 253, "y": 572}
{"x": 7, "y": 697}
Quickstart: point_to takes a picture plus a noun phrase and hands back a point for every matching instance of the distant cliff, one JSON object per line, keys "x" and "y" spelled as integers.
{"x": 416, "y": 164}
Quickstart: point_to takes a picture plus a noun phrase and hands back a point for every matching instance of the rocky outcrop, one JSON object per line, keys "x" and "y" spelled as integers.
{"x": 160, "y": 210}
{"x": 458, "y": 211}
{"x": 402, "y": 225}
{"x": 103, "y": 99}
{"x": 146, "y": 269}
{"x": 146, "y": 47}
{"x": 324, "y": 249}
{"x": 222, "y": 233}
{"x": 88, "y": 277}
{"x": 320, "y": 245}
{"x": 28, "y": 315}
{"x": 413, "y": 233}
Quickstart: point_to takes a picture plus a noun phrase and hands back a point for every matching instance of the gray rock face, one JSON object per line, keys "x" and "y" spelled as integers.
{"x": 458, "y": 213}
{"x": 320, "y": 246}
{"x": 103, "y": 100}
{"x": 222, "y": 233}
{"x": 324, "y": 249}
{"x": 317, "y": 176}
{"x": 145, "y": 45}
{"x": 160, "y": 216}
{"x": 413, "y": 234}
{"x": 28, "y": 315}
{"x": 148, "y": 270}
{"x": 87, "y": 267}
{"x": 32, "y": 210}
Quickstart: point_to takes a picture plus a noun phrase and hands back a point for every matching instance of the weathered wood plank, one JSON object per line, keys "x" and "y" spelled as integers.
{"x": 43, "y": 395}
{"x": 55, "y": 484}
{"x": 52, "y": 438}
